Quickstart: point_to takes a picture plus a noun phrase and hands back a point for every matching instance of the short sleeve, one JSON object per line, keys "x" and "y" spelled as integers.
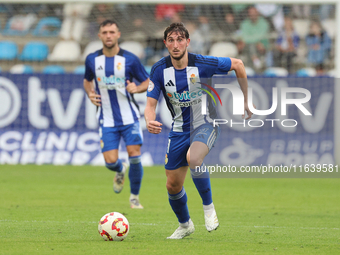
{"x": 213, "y": 65}
{"x": 154, "y": 88}
{"x": 139, "y": 71}
{"x": 89, "y": 75}
{"x": 224, "y": 65}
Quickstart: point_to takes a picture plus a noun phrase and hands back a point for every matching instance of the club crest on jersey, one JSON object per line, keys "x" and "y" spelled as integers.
{"x": 119, "y": 66}
{"x": 166, "y": 159}
{"x": 193, "y": 78}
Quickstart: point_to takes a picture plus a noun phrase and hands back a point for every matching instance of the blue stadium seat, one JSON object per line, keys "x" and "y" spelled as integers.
{"x": 34, "y": 51}
{"x": 249, "y": 71}
{"x": 79, "y": 70}
{"x": 21, "y": 69}
{"x": 306, "y": 72}
{"x": 49, "y": 26}
{"x": 8, "y": 50}
{"x": 19, "y": 25}
{"x": 275, "y": 72}
{"x": 53, "y": 69}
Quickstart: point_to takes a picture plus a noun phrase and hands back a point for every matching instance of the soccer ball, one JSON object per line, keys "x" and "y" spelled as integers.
{"x": 113, "y": 226}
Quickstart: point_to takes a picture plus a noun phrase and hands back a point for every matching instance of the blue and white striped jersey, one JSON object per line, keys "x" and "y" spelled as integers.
{"x": 118, "y": 106}
{"x": 181, "y": 88}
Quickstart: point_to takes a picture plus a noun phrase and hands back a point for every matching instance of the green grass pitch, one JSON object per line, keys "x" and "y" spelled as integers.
{"x": 56, "y": 209}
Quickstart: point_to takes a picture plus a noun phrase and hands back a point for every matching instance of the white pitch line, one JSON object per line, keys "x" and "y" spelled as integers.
{"x": 167, "y": 223}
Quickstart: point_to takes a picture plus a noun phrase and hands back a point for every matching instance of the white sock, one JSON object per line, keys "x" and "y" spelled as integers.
{"x": 133, "y": 196}
{"x": 208, "y": 209}
{"x": 184, "y": 225}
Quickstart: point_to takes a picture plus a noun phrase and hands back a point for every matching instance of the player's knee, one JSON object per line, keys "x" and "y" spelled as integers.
{"x": 133, "y": 151}
{"x": 195, "y": 161}
{"x": 173, "y": 187}
{"x": 110, "y": 158}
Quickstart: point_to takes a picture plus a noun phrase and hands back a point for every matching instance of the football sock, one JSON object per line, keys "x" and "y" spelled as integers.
{"x": 184, "y": 225}
{"x": 202, "y": 183}
{"x": 208, "y": 209}
{"x": 179, "y": 205}
{"x": 135, "y": 174}
{"x": 117, "y": 166}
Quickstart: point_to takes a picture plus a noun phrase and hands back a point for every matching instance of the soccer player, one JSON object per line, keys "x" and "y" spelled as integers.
{"x": 192, "y": 134}
{"x": 112, "y": 70}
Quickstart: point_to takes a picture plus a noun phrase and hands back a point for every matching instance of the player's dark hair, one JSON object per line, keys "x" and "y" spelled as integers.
{"x": 108, "y": 22}
{"x": 176, "y": 27}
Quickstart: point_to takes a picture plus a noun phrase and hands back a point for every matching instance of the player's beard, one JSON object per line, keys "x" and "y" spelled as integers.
{"x": 110, "y": 47}
{"x": 179, "y": 57}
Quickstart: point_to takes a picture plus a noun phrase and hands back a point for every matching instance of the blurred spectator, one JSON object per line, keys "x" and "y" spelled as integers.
{"x": 99, "y": 13}
{"x": 197, "y": 43}
{"x": 21, "y": 23}
{"x": 302, "y": 11}
{"x": 204, "y": 25}
{"x": 319, "y": 46}
{"x": 138, "y": 31}
{"x": 167, "y": 11}
{"x": 274, "y": 13}
{"x": 74, "y": 23}
{"x": 230, "y": 24}
{"x": 239, "y": 10}
{"x": 325, "y": 11}
{"x": 138, "y": 24}
{"x": 286, "y": 46}
{"x": 176, "y": 18}
{"x": 254, "y": 37}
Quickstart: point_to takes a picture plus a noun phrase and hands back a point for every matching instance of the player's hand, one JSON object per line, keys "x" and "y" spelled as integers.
{"x": 154, "y": 127}
{"x": 249, "y": 113}
{"x": 131, "y": 87}
{"x": 95, "y": 98}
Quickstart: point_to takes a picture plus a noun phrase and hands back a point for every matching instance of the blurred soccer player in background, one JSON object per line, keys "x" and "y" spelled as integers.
{"x": 112, "y": 70}
{"x": 192, "y": 135}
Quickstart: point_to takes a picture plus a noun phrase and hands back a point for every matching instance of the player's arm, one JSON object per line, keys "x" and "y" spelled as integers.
{"x": 152, "y": 125}
{"x": 133, "y": 88}
{"x": 238, "y": 66}
{"x": 89, "y": 89}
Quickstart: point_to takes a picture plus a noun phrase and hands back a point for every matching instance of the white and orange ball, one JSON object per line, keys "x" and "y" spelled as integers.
{"x": 113, "y": 226}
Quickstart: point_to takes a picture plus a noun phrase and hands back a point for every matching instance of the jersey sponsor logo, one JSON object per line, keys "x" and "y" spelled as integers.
{"x": 186, "y": 104}
{"x": 112, "y": 80}
{"x": 111, "y": 87}
{"x": 170, "y": 83}
{"x": 151, "y": 86}
{"x": 186, "y": 95}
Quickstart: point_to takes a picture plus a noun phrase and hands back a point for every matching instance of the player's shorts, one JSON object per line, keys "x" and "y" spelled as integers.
{"x": 179, "y": 143}
{"x": 110, "y": 136}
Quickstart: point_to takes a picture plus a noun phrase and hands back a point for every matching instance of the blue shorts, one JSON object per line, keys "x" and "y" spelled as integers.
{"x": 179, "y": 143}
{"x": 110, "y": 136}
